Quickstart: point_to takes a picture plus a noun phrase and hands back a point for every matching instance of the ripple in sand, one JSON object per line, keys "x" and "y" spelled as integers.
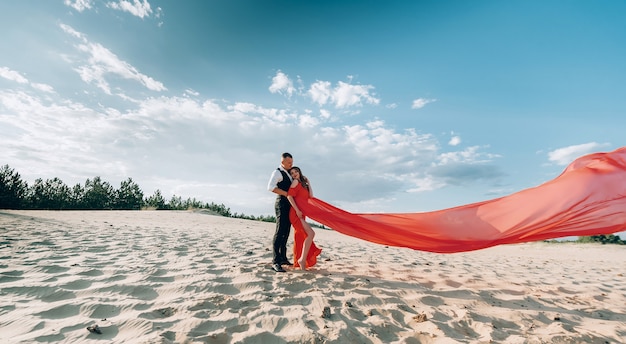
{"x": 237, "y": 304}
{"x": 432, "y": 301}
{"x": 101, "y": 311}
{"x": 566, "y": 291}
{"x": 13, "y": 272}
{"x": 204, "y": 305}
{"x": 37, "y": 291}
{"x": 213, "y": 338}
{"x": 6, "y": 279}
{"x": 160, "y": 275}
{"x": 165, "y": 279}
{"x": 59, "y": 257}
{"x": 352, "y": 313}
{"x": 297, "y": 287}
{"x": 77, "y": 285}
{"x": 58, "y": 296}
{"x": 222, "y": 280}
{"x": 45, "y": 242}
{"x": 209, "y": 326}
{"x": 226, "y": 289}
{"x": 183, "y": 248}
{"x": 91, "y": 273}
{"x": 142, "y": 306}
{"x": 116, "y": 278}
{"x": 221, "y": 302}
{"x": 264, "y": 337}
{"x": 159, "y": 313}
{"x": 215, "y": 271}
{"x": 98, "y": 249}
{"x": 139, "y": 292}
{"x": 51, "y": 338}
{"x": 54, "y": 269}
{"x": 60, "y": 312}
{"x": 6, "y": 309}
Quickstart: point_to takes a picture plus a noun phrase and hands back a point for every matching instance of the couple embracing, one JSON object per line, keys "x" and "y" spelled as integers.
{"x": 292, "y": 188}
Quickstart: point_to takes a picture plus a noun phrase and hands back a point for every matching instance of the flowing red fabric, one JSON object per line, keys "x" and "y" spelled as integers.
{"x": 588, "y": 198}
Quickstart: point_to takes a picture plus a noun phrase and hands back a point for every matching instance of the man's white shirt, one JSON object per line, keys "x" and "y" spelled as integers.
{"x": 276, "y": 178}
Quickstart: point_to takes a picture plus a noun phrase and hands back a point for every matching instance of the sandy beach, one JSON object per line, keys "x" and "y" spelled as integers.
{"x": 191, "y": 277}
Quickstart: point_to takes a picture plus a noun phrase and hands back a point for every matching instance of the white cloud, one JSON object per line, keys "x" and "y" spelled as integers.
{"x": 282, "y": 84}
{"x": 243, "y": 107}
{"x": 421, "y": 102}
{"x": 69, "y": 30}
{"x": 468, "y": 155}
{"x": 79, "y": 5}
{"x": 325, "y": 114}
{"x": 192, "y": 92}
{"x": 102, "y": 63}
{"x": 345, "y": 95}
{"x": 307, "y": 121}
{"x": 427, "y": 183}
{"x": 565, "y": 155}
{"x": 320, "y": 92}
{"x": 454, "y": 140}
{"x": 137, "y": 8}
{"x": 12, "y": 75}
{"x": 42, "y": 87}
{"x": 465, "y": 167}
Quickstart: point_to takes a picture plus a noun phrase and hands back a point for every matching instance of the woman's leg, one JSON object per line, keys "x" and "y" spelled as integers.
{"x": 307, "y": 244}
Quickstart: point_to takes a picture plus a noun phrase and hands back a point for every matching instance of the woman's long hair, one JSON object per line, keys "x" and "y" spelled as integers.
{"x": 303, "y": 180}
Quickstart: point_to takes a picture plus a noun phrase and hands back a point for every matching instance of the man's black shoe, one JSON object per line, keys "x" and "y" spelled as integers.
{"x": 286, "y": 262}
{"x": 278, "y": 268}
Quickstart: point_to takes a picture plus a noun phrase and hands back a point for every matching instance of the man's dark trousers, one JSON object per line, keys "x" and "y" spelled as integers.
{"x": 283, "y": 227}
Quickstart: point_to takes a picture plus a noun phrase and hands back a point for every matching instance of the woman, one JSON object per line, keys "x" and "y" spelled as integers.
{"x": 304, "y": 250}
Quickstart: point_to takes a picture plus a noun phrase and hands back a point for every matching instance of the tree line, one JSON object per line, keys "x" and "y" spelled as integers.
{"x": 603, "y": 239}
{"x": 95, "y": 194}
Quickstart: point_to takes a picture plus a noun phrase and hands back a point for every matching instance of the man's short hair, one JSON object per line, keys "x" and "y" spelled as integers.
{"x": 286, "y": 155}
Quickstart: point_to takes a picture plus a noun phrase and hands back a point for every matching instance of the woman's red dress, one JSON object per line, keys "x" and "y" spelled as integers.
{"x": 588, "y": 198}
{"x": 301, "y": 196}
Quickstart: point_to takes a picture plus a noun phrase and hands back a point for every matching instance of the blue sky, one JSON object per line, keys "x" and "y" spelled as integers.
{"x": 388, "y": 106}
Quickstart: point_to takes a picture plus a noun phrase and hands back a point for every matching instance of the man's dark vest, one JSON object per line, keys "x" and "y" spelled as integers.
{"x": 286, "y": 182}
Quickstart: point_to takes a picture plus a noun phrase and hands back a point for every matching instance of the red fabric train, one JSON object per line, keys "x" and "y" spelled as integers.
{"x": 588, "y": 198}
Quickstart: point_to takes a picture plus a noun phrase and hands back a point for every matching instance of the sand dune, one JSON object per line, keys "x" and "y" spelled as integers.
{"x": 188, "y": 277}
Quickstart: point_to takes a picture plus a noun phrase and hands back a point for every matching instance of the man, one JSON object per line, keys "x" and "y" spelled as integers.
{"x": 279, "y": 183}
